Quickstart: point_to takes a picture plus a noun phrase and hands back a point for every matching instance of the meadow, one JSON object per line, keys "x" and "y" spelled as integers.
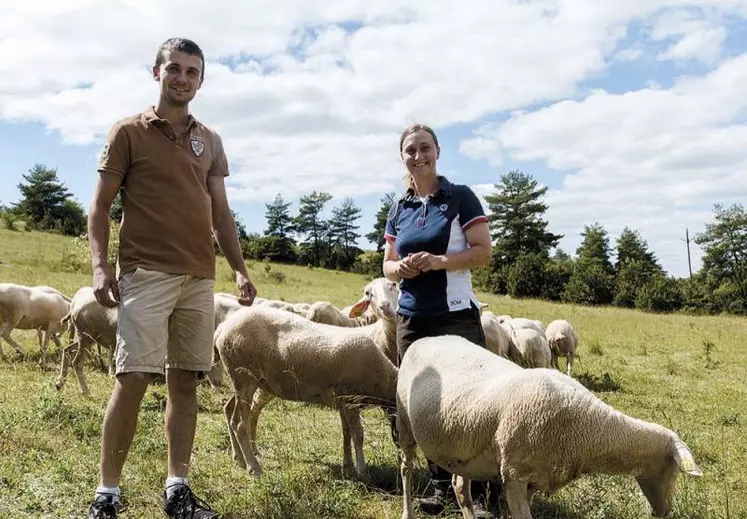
{"x": 687, "y": 373}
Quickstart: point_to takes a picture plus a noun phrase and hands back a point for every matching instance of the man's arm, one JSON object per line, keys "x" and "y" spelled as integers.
{"x": 224, "y": 227}
{"x": 104, "y": 279}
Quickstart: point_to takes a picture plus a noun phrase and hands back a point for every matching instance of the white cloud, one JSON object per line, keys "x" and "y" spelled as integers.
{"x": 313, "y": 95}
{"x": 700, "y": 38}
{"x": 656, "y": 160}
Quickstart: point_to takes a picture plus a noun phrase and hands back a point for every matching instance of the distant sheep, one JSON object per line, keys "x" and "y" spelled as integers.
{"x": 563, "y": 340}
{"x": 483, "y": 417}
{"x": 496, "y": 336}
{"x": 326, "y": 313}
{"x": 31, "y": 308}
{"x": 89, "y": 322}
{"x": 268, "y": 353}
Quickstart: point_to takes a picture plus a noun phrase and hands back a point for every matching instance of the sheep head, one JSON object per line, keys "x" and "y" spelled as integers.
{"x": 381, "y": 295}
{"x": 659, "y": 486}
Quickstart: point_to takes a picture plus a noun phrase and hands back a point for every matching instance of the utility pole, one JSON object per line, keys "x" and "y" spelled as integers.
{"x": 687, "y": 240}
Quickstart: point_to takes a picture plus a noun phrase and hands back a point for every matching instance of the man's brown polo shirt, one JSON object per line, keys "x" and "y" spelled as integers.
{"x": 167, "y": 223}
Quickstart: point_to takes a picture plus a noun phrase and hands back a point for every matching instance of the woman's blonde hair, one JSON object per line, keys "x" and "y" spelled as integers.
{"x": 409, "y": 181}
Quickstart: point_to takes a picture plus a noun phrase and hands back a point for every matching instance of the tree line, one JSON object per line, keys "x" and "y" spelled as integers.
{"x": 527, "y": 261}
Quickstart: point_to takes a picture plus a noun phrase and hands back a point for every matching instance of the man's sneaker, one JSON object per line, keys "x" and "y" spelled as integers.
{"x": 183, "y": 504}
{"x": 104, "y": 507}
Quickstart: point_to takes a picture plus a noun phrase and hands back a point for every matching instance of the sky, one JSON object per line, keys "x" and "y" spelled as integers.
{"x": 631, "y": 113}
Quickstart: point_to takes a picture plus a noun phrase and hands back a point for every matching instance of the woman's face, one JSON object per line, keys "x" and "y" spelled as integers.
{"x": 420, "y": 154}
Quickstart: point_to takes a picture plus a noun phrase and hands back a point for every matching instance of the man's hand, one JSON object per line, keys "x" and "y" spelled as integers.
{"x": 104, "y": 280}
{"x": 247, "y": 291}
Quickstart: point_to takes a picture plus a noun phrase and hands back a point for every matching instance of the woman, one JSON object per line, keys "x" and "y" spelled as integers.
{"x": 434, "y": 235}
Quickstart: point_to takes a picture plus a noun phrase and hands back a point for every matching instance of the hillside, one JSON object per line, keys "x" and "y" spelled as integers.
{"x": 688, "y": 373}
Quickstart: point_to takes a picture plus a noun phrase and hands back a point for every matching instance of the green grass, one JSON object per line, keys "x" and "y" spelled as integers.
{"x": 688, "y": 373}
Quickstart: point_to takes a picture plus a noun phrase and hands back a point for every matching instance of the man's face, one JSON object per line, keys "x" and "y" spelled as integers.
{"x": 180, "y": 76}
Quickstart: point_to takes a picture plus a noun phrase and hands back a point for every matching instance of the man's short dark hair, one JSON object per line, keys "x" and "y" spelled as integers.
{"x": 182, "y": 45}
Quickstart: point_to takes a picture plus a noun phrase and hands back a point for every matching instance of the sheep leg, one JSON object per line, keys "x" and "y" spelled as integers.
{"x": 260, "y": 400}
{"x": 70, "y": 351}
{"x": 569, "y": 360}
{"x": 353, "y": 418}
{"x": 84, "y": 348}
{"x": 347, "y": 452}
{"x": 45, "y": 345}
{"x": 408, "y": 446}
{"x": 554, "y": 361}
{"x": 228, "y": 411}
{"x": 5, "y": 334}
{"x": 241, "y": 420}
{"x": 517, "y": 499}
{"x": 463, "y": 493}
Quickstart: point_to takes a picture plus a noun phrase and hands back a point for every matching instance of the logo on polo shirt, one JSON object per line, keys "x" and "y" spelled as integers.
{"x": 197, "y": 146}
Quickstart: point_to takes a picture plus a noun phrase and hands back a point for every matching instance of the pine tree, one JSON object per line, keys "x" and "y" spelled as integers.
{"x": 725, "y": 260}
{"x": 377, "y": 235}
{"x": 631, "y": 246}
{"x": 279, "y": 220}
{"x": 595, "y": 247}
{"x": 309, "y": 223}
{"x": 44, "y": 196}
{"x": 516, "y": 220}
{"x": 342, "y": 228}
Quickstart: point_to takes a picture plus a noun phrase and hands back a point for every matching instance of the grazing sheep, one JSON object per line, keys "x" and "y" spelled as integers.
{"x": 326, "y": 313}
{"x": 31, "y": 308}
{"x": 496, "y": 336}
{"x": 523, "y": 322}
{"x": 527, "y": 347}
{"x": 296, "y": 308}
{"x": 563, "y": 340}
{"x": 268, "y": 353}
{"x": 91, "y": 322}
{"x": 224, "y": 305}
{"x": 482, "y": 417}
{"x": 88, "y": 322}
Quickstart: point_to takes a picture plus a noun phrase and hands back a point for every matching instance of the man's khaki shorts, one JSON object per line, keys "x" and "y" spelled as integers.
{"x": 164, "y": 321}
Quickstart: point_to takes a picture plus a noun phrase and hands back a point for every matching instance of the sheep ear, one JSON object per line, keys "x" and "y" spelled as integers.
{"x": 685, "y": 460}
{"x": 358, "y": 308}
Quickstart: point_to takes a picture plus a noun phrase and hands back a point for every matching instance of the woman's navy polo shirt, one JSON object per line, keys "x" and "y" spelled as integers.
{"x": 435, "y": 225}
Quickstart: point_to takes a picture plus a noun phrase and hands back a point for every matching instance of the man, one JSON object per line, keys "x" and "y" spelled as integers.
{"x": 170, "y": 171}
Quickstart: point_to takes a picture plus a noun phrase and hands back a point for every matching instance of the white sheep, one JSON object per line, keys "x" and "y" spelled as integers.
{"x": 527, "y": 347}
{"x": 89, "y": 322}
{"x": 483, "y": 417}
{"x": 31, "y": 308}
{"x": 268, "y": 353}
{"x": 497, "y": 337}
{"x": 563, "y": 340}
{"x": 224, "y": 305}
{"x": 523, "y": 322}
{"x": 327, "y": 313}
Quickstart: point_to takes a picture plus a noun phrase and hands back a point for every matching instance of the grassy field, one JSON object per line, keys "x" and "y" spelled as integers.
{"x": 688, "y": 373}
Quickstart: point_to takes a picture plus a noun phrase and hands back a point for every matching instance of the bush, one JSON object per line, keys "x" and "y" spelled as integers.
{"x": 558, "y": 272}
{"x": 589, "y": 285}
{"x": 660, "y": 294}
{"x": 525, "y": 276}
{"x": 369, "y": 264}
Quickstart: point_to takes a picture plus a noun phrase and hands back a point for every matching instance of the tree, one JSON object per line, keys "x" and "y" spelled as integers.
{"x": 342, "y": 228}
{"x": 724, "y": 243}
{"x": 279, "y": 221}
{"x": 309, "y": 223}
{"x": 516, "y": 219}
{"x": 44, "y": 196}
{"x": 631, "y": 246}
{"x": 377, "y": 235}
{"x": 635, "y": 267}
{"x": 595, "y": 248}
